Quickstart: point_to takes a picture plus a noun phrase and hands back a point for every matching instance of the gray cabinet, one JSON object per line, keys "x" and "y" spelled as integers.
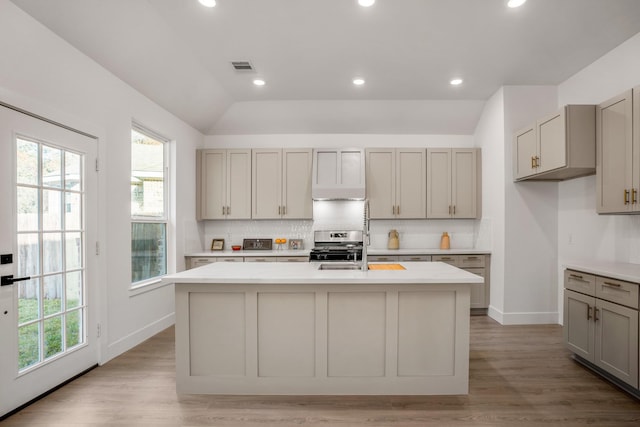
{"x": 453, "y": 182}
{"x": 338, "y": 173}
{"x": 396, "y": 182}
{"x": 281, "y": 184}
{"x": 476, "y": 264}
{"x": 618, "y": 149}
{"x": 601, "y": 323}
{"x": 223, "y": 184}
{"x": 559, "y": 146}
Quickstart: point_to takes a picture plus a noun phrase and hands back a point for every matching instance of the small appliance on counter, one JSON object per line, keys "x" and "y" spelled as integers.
{"x": 394, "y": 240}
{"x": 337, "y": 246}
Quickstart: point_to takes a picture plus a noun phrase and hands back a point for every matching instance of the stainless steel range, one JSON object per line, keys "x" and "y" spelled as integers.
{"x": 337, "y": 246}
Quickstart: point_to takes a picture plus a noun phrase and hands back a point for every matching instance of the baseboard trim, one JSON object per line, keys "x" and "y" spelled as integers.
{"x": 523, "y": 318}
{"x": 126, "y": 343}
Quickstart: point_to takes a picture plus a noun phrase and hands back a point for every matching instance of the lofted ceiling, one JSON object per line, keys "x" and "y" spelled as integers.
{"x": 178, "y": 54}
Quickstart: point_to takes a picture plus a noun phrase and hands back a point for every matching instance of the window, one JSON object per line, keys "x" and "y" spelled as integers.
{"x": 148, "y": 205}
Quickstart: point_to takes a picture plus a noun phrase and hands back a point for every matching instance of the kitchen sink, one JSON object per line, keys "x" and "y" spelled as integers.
{"x": 339, "y": 266}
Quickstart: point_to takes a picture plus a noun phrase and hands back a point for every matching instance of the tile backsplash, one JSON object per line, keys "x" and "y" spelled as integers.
{"x": 348, "y": 215}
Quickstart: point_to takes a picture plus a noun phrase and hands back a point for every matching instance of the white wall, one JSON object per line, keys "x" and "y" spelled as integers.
{"x": 43, "y": 74}
{"x": 582, "y": 233}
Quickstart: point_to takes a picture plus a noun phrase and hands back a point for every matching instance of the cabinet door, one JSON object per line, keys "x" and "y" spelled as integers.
{"x": 614, "y": 160}
{"x": 447, "y": 259}
{"x": 464, "y": 186}
{"x": 525, "y": 149}
{"x": 296, "y": 184}
{"x": 267, "y": 183}
{"x": 439, "y": 183}
{"x": 411, "y": 181}
{"x": 635, "y": 195}
{"x": 213, "y": 184}
{"x": 579, "y": 327}
{"x": 552, "y": 142}
{"x": 239, "y": 184}
{"x": 616, "y": 341}
{"x": 381, "y": 172}
{"x": 478, "y": 290}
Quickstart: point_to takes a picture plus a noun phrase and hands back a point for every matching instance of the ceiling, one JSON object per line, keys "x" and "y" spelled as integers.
{"x": 178, "y": 54}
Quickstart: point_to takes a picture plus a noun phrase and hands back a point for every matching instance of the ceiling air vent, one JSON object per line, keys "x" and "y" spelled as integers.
{"x": 242, "y": 65}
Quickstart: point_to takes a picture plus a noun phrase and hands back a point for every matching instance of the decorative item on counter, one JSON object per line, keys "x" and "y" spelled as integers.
{"x": 236, "y": 247}
{"x": 394, "y": 240}
{"x": 281, "y": 241}
{"x": 217, "y": 244}
{"x": 445, "y": 241}
{"x": 295, "y": 244}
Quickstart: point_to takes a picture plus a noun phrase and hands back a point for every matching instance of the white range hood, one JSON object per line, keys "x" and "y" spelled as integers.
{"x": 338, "y": 174}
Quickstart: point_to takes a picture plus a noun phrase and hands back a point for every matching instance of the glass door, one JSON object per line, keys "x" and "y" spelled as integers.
{"x": 46, "y": 315}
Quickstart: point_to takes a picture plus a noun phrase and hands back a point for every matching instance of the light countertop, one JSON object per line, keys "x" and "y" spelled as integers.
{"x": 370, "y": 251}
{"x": 615, "y": 270}
{"x": 308, "y": 273}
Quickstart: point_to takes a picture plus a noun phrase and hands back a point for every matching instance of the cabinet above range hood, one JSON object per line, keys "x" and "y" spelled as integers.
{"x": 338, "y": 174}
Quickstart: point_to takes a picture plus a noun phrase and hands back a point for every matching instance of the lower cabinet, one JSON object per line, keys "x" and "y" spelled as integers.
{"x": 193, "y": 262}
{"x": 476, "y": 264}
{"x": 601, "y": 323}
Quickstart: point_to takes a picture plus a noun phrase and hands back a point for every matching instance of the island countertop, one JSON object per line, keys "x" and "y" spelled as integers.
{"x": 309, "y": 273}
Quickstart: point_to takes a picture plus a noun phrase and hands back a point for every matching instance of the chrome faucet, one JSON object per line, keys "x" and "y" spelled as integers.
{"x": 365, "y": 232}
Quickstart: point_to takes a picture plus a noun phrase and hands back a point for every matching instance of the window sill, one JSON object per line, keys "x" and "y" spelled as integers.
{"x": 147, "y": 286}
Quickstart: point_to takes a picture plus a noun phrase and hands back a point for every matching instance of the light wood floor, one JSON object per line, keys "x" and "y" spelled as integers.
{"x": 519, "y": 376}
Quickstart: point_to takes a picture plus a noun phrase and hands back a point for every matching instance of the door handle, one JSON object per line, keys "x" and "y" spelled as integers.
{"x": 10, "y": 280}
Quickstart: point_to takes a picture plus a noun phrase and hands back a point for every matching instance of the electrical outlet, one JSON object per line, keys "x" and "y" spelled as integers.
{"x": 6, "y": 259}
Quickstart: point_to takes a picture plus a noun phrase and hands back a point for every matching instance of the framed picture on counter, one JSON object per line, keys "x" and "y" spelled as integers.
{"x": 217, "y": 244}
{"x": 295, "y": 244}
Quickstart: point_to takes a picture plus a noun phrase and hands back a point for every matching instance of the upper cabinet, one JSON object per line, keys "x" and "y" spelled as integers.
{"x": 223, "y": 184}
{"x": 559, "y": 146}
{"x": 618, "y": 147}
{"x": 281, "y": 184}
{"x": 396, "y": 182}
{"x": 453, "y": 182}
{"x": 338, "y": 173}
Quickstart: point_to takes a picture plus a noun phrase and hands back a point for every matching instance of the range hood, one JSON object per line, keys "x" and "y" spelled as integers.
{"x": 338, "y": 174}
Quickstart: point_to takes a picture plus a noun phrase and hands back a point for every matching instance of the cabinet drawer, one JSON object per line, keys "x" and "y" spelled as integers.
{"x": 259, "y": 259}
{"x": 470, "y": 261}
{"x": 382, "y": 258}
{"x": 292, "y": 259}
{"x": 580, "y": 282}
{"x": 199, "y": 262}
{"x": 624, "y": 293}
{"x": 449, "y": 259}
{"x": 414, "y": 258}
{"x": 229, "y": 259}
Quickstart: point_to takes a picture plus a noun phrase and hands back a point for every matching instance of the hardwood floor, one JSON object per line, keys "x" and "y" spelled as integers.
{"x": 519, "y": 376}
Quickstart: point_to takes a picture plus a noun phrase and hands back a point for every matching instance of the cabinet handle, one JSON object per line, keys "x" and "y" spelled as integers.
{"x": 449, "y": 209}
{"x": 533, "y": 162}
{"x": 223, "y": 211}
{"x": 634, "y": 196}
{"x": 279, "y": 210}
{"x": 472, "y": 257}
{"x": 398, "y": 210}
{"x": 595, "y": 314}
{"x": 613, "y": 285}
{"x": 284, "y": 210}
{"x": 537, "y": 161}
{"x": 588, "y": 312}
{"x": 626, "y": 196}
{"x": 575, "y": 276}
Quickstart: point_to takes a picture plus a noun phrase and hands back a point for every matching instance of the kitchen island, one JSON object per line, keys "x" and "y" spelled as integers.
{"x": 271, "y": 328}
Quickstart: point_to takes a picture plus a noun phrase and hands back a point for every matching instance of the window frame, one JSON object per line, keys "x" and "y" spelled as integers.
{"x": 141, "y": 286}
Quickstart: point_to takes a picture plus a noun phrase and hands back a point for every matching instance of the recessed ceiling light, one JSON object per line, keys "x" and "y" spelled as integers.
{"x": 366, "y": 3}
{"x": 358, "y": 81}
{"x": 259, "y": 82}
{"x": 208, "y": 3}
{"x": 515, "y": 3}
{"x": 456, "y": 82}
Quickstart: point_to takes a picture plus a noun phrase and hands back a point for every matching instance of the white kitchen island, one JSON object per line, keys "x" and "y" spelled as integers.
{"x": 267, "y": 328}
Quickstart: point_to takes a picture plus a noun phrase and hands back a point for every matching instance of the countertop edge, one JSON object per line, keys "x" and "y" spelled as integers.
{"x": 616, "y": 270}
